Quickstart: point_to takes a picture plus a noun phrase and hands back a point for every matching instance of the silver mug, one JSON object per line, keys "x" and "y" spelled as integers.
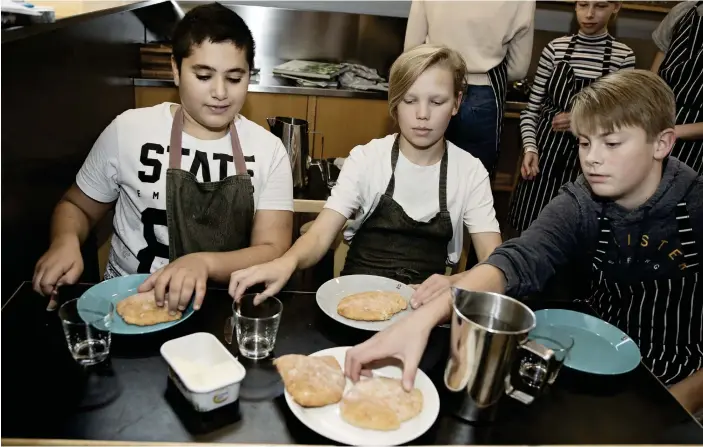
{"x": 488, "y": 335}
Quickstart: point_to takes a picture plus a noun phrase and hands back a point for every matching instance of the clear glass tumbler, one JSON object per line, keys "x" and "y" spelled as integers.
{"x": 86, "y": 326}
{"x": 256, "y": 326}
{"x": 534, "y": 370}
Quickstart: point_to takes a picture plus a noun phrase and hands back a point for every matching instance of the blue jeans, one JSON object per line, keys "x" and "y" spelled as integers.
{"x": 473, "y": 128}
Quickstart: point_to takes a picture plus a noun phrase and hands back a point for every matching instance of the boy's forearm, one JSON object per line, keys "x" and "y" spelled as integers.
{"x": 69, "y": 223}
{"x": 220, "y": 265}
{"x": 692, "y": 131}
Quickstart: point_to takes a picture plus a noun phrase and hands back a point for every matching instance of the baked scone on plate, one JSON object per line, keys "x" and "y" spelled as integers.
{"x": 311, "y": 381}
{"x": 380, "y": 403}
{"x": 141, "y": 310}
{"x": 371, "y": 306}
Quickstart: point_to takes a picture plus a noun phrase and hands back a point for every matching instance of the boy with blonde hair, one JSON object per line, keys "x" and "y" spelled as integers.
{"x": 635, "y": 215}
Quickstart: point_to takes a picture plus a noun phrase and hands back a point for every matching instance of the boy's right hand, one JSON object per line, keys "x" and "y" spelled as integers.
{"x": 61, "y": 264}
{"x": 530, "y": 166}
{"x": 405, "y": 340}
{"x": 273, "y": 274}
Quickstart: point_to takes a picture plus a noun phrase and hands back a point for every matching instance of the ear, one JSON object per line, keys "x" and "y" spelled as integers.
{"x": 457, "y": 104}
{"x": 176, "y": 73}
{"x": 616, "y": 9}
{"x": 664, "y": 143}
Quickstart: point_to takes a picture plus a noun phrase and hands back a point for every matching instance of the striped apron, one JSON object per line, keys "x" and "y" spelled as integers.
{"x": 498, "y": 77}
{"x": 682, "y": 69}
{"x": 663, "y": 316}
{"x": 558, "y": 151}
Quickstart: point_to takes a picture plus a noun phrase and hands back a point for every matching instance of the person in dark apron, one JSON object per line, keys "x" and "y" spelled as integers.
{"x": 680, "y": 64}
{"x": 635, "y": 215}
{"x": 551, "y": 151}
{"x": 495, "y": 40}
{"x": 395, "y": 231}
{"x": 171, "y": 219}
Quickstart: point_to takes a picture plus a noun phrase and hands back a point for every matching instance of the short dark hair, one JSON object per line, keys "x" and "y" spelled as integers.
{"x": 215, "y": 23}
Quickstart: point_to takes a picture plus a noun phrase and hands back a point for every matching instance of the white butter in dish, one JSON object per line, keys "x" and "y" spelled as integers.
{"x": 207, "y": 374}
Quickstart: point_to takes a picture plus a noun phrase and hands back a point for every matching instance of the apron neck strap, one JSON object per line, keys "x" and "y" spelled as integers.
{"x": 175, "y": 145}
{"x": 395, "y": 152}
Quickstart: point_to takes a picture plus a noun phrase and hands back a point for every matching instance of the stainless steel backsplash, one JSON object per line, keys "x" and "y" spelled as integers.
{"x": 284, "y": 34}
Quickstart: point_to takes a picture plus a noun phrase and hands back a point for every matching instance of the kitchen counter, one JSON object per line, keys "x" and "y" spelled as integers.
{"x": 264, "y": 83}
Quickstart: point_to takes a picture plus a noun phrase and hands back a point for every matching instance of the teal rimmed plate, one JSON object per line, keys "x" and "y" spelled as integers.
{"x": 599, "y": 347}
{"x": 117, "y": 289}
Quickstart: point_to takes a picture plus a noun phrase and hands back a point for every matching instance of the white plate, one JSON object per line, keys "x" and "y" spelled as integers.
{"x": 331, "y": 293}
{"x": 327, "y": 422}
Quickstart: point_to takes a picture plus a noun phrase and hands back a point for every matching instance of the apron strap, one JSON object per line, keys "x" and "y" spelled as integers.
{"x": 395, "y": 152}
{"x": 175, "y": 145}
{"x": 570, "y": 49}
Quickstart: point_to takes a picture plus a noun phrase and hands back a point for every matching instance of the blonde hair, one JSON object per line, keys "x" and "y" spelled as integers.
{"x": 627, "y": 98}
{"x": 412, "y": 63}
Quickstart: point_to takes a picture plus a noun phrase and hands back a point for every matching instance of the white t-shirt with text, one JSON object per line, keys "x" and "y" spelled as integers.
{"x": 367, "y": 171}
{"x": 128, "y": 163}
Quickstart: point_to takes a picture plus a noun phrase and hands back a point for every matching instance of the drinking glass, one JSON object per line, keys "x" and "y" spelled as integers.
{"x": 86, "y": 325}
{"x": 256, "y": 325}
{"x": 534, "y": 369}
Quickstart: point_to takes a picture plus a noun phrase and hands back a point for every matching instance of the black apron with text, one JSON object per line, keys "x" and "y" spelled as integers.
{"x": 207, "y": 216}
{"x": 663, "y": 316}
{"x": 391, "y": 244}
{"x": 682, "y": 69}
{"x": 558, "y": 151}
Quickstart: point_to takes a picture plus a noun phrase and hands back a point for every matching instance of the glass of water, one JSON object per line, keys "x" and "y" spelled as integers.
{"x": 534, "y": 370}
{"x": 86, "y": 325}
{"x": 256, "y": 325}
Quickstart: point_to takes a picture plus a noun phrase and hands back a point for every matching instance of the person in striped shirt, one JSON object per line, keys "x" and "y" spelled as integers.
{"x": 567, "y": 65}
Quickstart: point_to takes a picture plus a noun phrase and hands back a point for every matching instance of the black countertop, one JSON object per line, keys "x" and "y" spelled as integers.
{"x": 42, "y": 387}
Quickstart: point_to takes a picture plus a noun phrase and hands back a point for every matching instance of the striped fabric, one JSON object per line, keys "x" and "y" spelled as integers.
{"x": 586, "y": 61}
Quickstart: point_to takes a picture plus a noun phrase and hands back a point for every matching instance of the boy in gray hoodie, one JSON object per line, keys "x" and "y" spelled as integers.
{"x": 635, "y": 215}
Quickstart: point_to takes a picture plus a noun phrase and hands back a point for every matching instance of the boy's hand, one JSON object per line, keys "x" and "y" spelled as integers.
{"x": 530, "y": 166}
{"x": 274, "y": 275}
{"x": 561, "y": 122}
{"x": 179, "y": 280}
{"x": 61, "y": 264}
{"x": 433, "y": 287}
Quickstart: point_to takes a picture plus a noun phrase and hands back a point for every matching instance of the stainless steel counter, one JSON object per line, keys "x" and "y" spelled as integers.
{"x": 274, "y": 84}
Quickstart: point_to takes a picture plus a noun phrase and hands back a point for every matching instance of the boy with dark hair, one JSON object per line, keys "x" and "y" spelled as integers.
{"x": 199, "y": 190}
{"x": 636, "y": 214}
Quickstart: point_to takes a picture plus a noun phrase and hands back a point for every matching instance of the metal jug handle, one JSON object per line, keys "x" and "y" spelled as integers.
{"x": 521, "y": 393}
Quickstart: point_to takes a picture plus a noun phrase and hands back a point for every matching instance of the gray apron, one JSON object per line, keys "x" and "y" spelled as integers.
{"x": 682, "y": 69}
{"x": 391, "y": 244}
{"x": 208, "y": 216}
{"x": 662, "y": 315}
{"x": 558, "y": 151}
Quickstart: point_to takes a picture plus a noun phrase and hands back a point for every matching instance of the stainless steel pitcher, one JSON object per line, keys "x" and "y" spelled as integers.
{"x": 294, "y": 134}
{"x": 488, "y": 334}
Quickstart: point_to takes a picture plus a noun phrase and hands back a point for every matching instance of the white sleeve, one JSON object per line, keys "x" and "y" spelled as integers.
{"x": 346, "y": 197}
{"x": 479, "y": 214}
{"x": 277, "y": 191}
{"x": 98, "y": 177}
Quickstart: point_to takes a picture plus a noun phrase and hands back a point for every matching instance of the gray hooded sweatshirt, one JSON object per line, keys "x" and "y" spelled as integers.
{"x": 650, "y": 247}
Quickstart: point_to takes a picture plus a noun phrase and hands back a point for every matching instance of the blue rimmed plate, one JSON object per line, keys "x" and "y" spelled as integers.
{"x": 117, "y": 289}
{"x": 599, "y": 347}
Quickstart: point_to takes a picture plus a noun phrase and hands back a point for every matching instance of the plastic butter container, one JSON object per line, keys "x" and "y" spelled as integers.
{"x": 204, "y": 370}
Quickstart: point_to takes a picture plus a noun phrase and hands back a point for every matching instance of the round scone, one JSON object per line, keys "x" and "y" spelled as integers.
{"x": 141, "y": 310}
{"x": 380, "y": 403}
{"x": 312, "y": 381}
{"x": 371, "y": 306}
